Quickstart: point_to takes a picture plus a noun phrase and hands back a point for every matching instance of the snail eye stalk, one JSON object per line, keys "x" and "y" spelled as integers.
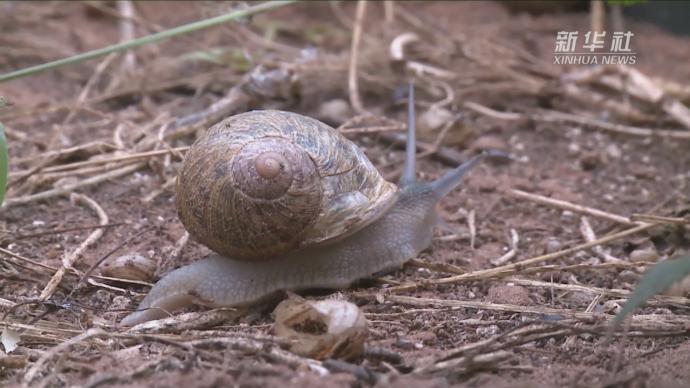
{"x": 409, "y": 173}
{"x": 445, "y": 184}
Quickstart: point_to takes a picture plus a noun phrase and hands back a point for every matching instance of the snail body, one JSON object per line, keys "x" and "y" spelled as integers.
{"x": 365, "y": 224}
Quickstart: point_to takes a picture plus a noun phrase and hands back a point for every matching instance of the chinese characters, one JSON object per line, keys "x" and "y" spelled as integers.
{"x": 589, "y": 52}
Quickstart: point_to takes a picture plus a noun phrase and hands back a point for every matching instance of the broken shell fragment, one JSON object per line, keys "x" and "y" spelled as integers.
{"x": 130, "y": 267}
{"x": 322, "y": 329}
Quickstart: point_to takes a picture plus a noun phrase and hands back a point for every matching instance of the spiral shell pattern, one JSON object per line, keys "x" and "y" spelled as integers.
{"x": 263, "y": 183}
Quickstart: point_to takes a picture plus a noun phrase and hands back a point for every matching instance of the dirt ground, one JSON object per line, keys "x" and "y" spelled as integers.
{"x": 524, "y": 327}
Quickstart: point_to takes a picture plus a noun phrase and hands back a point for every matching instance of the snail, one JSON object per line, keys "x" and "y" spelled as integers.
{"x": 288, "y": 203}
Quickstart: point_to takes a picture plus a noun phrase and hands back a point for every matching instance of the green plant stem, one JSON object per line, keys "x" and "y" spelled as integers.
{"x": 3, "y": 163}
{"x": 146, "y": 40}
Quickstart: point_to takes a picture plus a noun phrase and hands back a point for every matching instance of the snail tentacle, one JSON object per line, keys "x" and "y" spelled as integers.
{"x": 409, "y": 175}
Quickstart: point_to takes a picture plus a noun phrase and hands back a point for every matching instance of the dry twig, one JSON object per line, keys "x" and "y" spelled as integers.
{"x": 353, "y": 85}
{"x": 513, "y": 243}
{"x": 511, "y": 268}
{"x": 36, "y": 367}
{"x": 589, "y": 236}
{"x": 551, "y": 116}
{"x": 66, "y": 189}
{"x": 69, "y": 259}
{"x": 652, "y": 322}
{"x": 572, "y": 207}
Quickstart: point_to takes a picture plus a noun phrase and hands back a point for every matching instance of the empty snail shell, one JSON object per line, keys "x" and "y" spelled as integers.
{"x": 290, "y": 204}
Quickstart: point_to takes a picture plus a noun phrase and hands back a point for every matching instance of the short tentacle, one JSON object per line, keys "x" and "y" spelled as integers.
{"x": 444, "y": 185}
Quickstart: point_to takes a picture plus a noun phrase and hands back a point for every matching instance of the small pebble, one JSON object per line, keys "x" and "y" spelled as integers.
{"x": 335, "y": 112}
{"x": 434, "y": 119}
{"x": 628, "y": 276}
{"x": 580, "y": 298}
{"x": 405, "y": 344}
{"x": 553, "y": 245}
{"x": 681, "y": 288}
{"x": 507, "y": 294}
{"x": 590, "y": 161}
{"x": 427, "y": 337}
{"x": 644, "y": 255}
{"x": 611, "y": 307}
{"x": 490, "y": 143}
{"x": 613, "y": 151}
{"x": 567, "y": 215}
{"x": 487, "y": 330}
{"x": 131, "y": 266}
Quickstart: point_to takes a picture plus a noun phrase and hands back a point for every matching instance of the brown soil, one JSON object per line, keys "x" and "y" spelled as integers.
{"x": 619, "y": 173}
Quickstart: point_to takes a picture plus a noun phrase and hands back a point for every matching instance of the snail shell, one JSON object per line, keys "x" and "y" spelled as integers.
{"x": 263, "y": 183}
